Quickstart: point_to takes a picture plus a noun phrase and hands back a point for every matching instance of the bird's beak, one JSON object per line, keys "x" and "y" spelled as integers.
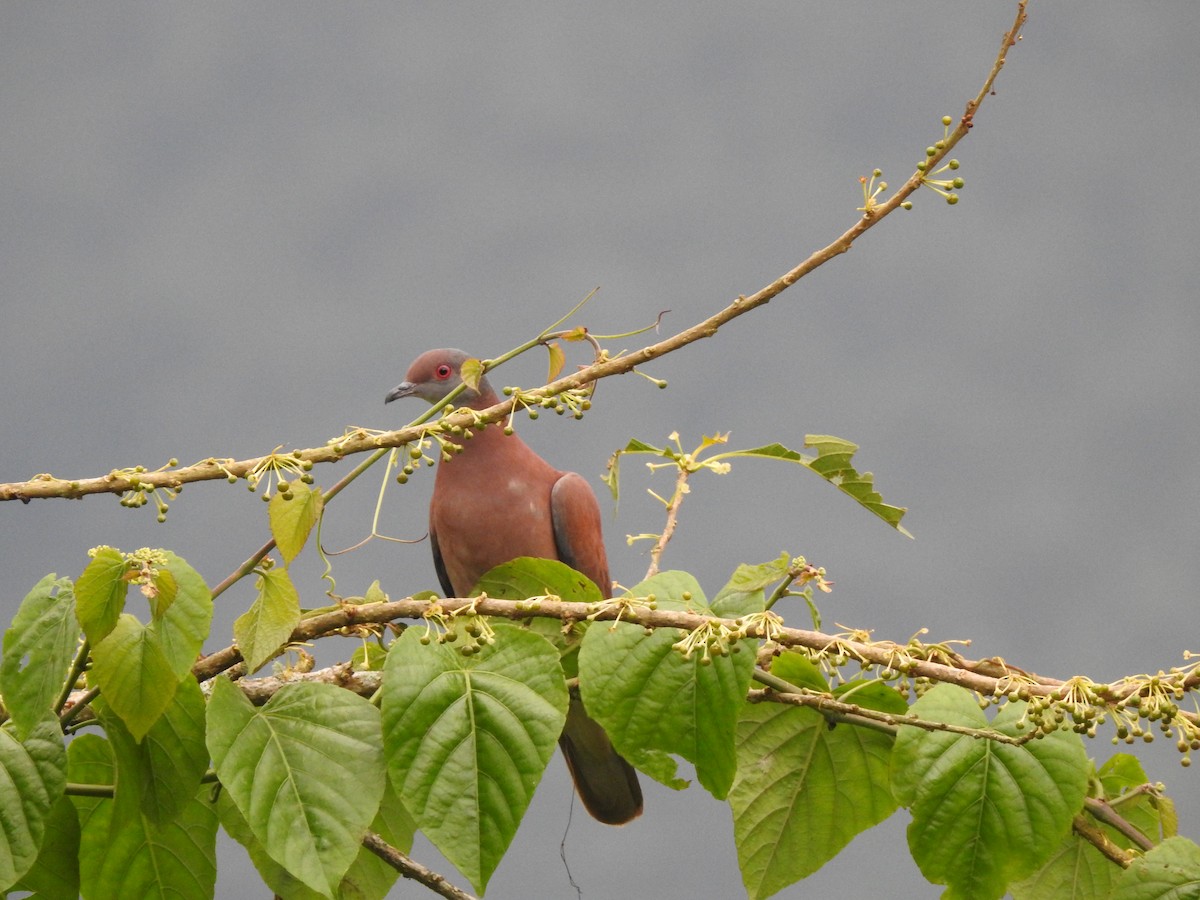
{"x": 403, "y": 389}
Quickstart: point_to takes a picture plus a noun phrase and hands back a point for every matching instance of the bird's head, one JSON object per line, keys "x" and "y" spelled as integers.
{"x": 434, "y": 374}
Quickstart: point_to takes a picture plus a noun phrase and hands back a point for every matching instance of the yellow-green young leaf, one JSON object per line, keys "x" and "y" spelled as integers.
{"x": 38, "y": 649}
{"x": 803, "y": 791}
{"x": 1171, "y": 871}
{"x": 184, "y": 625}
{"x": 100, "y": 593}
{"x": 122, "y": 853}
{"x": 306, "y": 772}
{"x": 131, "y": 669}
{"x": 557, "y": 360}
{"x": 33, "y": 773}
{"x": 293, "y": 517}
{"x": 471, "y": 371}
{"x": 984, "y": 813}
{"x": 468, "y": 736}
{"x": 161, "y": 593}
{"x": 269, "y": 622}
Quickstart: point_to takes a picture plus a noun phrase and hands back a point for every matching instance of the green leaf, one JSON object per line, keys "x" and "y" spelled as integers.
{"x": 131, "y": 669}
{"x": 646, "y": 695}
{"x": 1171, "y": 871}
{"x": 872, "y": 693}
{"x": 33, "y": 773}
{"x": 468, "y": 738}
{"x": 38, "y": 648}
{"x": 803, "y": 791}
{"x": 1122, "y": 779}
{"x": 184, "y": 626}
{"x": 984, "y": 813}
{"x": 123, "y": 854}
{"x": 797, "y": 669}
{"x": 306, "y": 772}
{"x": 269, "y": 622}
{"x": 528, "y": 576}
{"x": 1077, "y": 868}
{"x": 163, "y": 772}
{"x": 612, "y": 474}
{"x": 832, "y": 463}
{"x": 743, "y": 594}
{"x": 100, "y": 593}
{"x": 55, "y": 875}
{"x": 292, "y": 518}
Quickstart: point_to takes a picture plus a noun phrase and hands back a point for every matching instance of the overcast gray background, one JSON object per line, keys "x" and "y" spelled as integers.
{"x": 231, "y": 226}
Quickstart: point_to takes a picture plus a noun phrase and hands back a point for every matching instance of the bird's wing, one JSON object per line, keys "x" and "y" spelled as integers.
{"x": 575, "y": 516}
{"x": 439, "y": 565}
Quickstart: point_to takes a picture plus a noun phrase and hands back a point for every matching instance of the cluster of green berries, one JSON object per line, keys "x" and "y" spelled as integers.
{"x": 417, "y": 454}
{"x": 140, "y": 492}
{"x": 469, "y": 634}
{"x": 577, "y": 401}
{"x": 275, "y": 466}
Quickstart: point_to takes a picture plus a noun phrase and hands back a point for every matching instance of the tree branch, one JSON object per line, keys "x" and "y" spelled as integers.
{"x": 410, "y": 868}
{"x": 120, "y": 481}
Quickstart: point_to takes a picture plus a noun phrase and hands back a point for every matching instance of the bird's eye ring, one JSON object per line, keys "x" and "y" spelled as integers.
{"x": 442, "y": 371}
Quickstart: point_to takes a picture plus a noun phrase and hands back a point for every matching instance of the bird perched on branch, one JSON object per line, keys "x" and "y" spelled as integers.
{"x": 497, "y": 500}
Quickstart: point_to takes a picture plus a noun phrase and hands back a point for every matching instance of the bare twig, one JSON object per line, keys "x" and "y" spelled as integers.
{"x": 46, "y": 486}
{"x": 668, "y": 531}
{"x": 410, "y": 868}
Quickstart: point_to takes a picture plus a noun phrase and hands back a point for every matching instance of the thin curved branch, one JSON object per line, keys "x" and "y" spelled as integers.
{"x": 48, "y": 486}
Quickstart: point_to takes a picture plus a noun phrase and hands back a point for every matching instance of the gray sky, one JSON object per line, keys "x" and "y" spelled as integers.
{"x": 228, "y": 227}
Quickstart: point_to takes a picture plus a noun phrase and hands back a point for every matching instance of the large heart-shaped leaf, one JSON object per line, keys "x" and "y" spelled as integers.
{"x": 468, "y": 738}
{"x": 648, "y": 695}
{"x": 984, "y": 812}
{"x": 802, "y": 792}
{"x": 306, "y": 772}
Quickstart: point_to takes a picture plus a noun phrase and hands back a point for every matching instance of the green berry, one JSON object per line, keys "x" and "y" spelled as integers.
{"x": 946, "y": 120}
{"x": 931, "y": 151}
{"x": 958, "y": 183}
{"x": 952, "y": 199}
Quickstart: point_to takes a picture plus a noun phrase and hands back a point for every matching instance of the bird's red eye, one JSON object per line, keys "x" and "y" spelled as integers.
{"x": 442, "y": 372}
